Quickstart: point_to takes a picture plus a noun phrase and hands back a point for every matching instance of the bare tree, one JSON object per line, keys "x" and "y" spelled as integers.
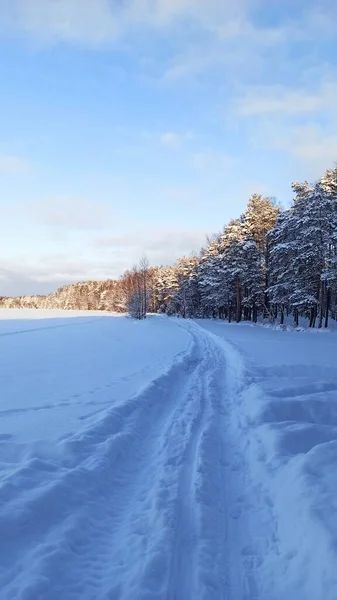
{"x": 137, "y": 290}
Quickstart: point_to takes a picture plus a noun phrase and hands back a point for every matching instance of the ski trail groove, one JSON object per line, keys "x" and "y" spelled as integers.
{"x": 140, "y": 508}
{"x": 182, "y": 570}
{"x": 62, "y": 326}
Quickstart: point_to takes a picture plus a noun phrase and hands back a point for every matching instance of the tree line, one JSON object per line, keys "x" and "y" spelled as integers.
{"x": 268, "y": 263}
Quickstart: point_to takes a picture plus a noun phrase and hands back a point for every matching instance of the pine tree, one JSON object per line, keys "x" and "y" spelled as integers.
{"x": 187, "y": 297}
{"x": 282, "y": 249}
{"x": 210, "y": 279}
{"x": 260, "y": 217}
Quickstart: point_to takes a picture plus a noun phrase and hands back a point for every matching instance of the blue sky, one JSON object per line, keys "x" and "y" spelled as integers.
{"x": 140, "y": 126}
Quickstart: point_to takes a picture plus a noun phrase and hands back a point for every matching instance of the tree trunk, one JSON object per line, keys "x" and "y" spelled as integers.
{"x": 238, "y": 302}
{"x": 321, "y": 302}
{"x": 295, "y": 317}
{"x": 266, "y": 281}
{"x": 282, "y": 316}
{"x": 254, "y": 314}
{"x": 313, "y": 315}
{"x": 327, "y": 308}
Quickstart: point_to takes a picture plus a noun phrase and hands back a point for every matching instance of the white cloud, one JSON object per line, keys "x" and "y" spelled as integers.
{"x": 170, "y": 139}
{"x": 68, "y": 213}
{"x": 299, "y": 121}
{"x": 231, "y": 44}
{"x": 262, "y": 100}
{"x": 101, "y": 21}
{"x": 211, "y": 161}
{"x": 208, "y": 34}
{"x": 23, "y": 276}
{"x": 312, "y": 146}
{"x": 161, "y": 245}
{"x": 106, "y": 257}
{"x": 87, "y": 21}
{"x": 174, "y": 140}
{"x": 12, "y": 165}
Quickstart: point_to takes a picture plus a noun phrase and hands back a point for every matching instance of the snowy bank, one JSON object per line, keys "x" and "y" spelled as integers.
{"x": 284, "y": 417}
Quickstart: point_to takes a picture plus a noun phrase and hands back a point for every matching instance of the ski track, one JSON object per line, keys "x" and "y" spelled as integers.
{"x": 84, "y": 321}
{"x": 146, "y": 503}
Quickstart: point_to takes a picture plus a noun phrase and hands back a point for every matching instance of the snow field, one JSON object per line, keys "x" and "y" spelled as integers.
{"x": 285, "y": 423}
{"x": 133, "y": 503}
{"x": 165, "y": 460}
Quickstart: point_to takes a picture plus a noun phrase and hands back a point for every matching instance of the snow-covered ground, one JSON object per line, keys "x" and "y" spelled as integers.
{"x": 285, "y": 418}
{"x": 165, "y": 460}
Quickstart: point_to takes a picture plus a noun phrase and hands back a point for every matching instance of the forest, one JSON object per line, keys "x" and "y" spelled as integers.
{"x": 268, "y": 263}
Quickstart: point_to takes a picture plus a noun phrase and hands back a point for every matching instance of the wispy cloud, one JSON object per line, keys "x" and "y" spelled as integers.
{"x": 101, "y": 21}
{"x": 22, "y": 276}
{"x": 300, "y": 121}
{"x": 207, "y": 33}
{"x": 108, "y": 257}
{"x": 68, "y": 213}
{"x": 313, "y": 147}
{"x": 171, "y": 140}
{"x": 211, "y": 161}
{"x": 262, "y": 100}
{"x": 161, "y": 245}
{"x": 78, "y": 21}
{"x": 12, "y": 165}
{"x": 174, "y": 140}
